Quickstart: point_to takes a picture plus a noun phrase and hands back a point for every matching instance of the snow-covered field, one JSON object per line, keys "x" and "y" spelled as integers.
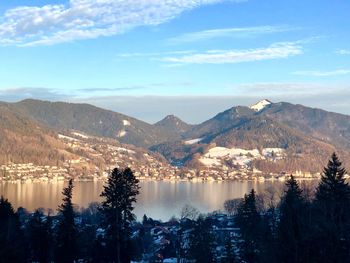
{"x": 193, "y": 141}
{"x": 80, "y": 135}
{"x": 61, "y": 136}
{"x": 238, "y": 156}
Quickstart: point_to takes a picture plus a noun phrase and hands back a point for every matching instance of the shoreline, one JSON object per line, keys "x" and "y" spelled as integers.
{"x": 189, "y": 180}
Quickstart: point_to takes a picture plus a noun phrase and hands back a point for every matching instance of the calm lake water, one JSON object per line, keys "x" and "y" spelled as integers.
{"x": 157, "y": 199}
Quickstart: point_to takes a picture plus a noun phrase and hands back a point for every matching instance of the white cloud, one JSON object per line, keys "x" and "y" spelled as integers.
{"x": 316, "y": 73}
{"x": 274, "y": 51}
{"x": 237, "y": 32}
{"x": 288, "y": 88}
{"x": 154, "y": 54}
{"x": 343, "y": 51}
{"x": 86, "y": 19}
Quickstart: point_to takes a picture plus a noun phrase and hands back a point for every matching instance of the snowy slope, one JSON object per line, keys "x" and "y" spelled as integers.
{"x": 260, "y": 105}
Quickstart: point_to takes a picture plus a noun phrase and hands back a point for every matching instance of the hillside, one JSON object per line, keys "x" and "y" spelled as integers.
{"x": 23, "y": 141}
{"x": 330, "y": 127}
{"x": 173, "y": 125}
{"x": 92, "y": 120}
{"x": 306, "y": 136}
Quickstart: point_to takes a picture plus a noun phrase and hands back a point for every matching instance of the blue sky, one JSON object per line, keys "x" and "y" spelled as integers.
{"x": 149, "y": 58}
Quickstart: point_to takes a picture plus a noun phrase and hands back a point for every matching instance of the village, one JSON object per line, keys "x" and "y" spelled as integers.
{"x": 94, "y": 158}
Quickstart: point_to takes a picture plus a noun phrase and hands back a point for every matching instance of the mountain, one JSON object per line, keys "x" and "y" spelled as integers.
{"x": 31, "y": 149}
{"x": 307, "y": 135}
{"x": 304, "y": 137}
{"x": 220, "y": 123}
{"x": 24, "y": 140}
{"x": 326, "y": 126}
{"x": 173, "y": 125}
{"x": 91, "y": 120}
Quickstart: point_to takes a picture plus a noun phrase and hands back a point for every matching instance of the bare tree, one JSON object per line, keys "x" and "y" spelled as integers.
{"x": 232, "y": 205}
{"x": 189, "y": 212}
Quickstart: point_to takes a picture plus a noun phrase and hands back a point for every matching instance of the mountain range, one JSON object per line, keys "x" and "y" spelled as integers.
{"x": 307, "y": 135}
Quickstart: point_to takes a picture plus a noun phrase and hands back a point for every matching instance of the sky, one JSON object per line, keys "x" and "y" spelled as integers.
{"x": 191, "y": 58}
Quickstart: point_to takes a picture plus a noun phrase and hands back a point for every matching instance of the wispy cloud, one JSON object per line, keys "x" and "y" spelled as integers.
{"x": 236, "y": 32}
{"x": 288, "y": 88}
{"x": 343, "y": 51}
{"x": 20, "y": 93}
{"x": 87, "y": 19}
{"x": 274, "y": 51}
{"x": 131, "y": 88}
{"x": 120, "y": 89}
{"x": 316, "y": 73}
{"x": 154, "y": 54}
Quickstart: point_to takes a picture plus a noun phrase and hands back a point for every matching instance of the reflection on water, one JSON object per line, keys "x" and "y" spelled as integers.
{"x": 157, "y": 199}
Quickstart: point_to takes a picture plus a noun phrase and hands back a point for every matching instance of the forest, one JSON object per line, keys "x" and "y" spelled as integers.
{"x": 302, "y": 226}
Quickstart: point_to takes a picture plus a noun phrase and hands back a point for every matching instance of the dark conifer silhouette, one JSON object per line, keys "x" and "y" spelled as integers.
{"x": 201, "y": 241}
{"x": 292, "y": 225}
{"x": 12, "y": 248}
{"x": 249, "y": 222}
{"x": 39, "y": 235}
{"x": 66, "y": 250}
{"x": 117, "y": 209}
{"x": 332, "y": 214}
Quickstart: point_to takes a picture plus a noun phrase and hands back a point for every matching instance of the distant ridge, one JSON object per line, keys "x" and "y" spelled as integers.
{"x": 173, "y": 124}
{"x": 308, "y": 135}
{"x": 92, "y": 120}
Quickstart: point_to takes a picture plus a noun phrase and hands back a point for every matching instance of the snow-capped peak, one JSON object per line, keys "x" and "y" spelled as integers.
{"x": 260, "y": 105}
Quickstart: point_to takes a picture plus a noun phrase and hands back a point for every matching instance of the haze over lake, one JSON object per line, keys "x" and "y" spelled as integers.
{"x": 157, "y": 199}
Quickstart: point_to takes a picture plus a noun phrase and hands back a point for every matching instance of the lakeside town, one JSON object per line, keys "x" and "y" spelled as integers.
{"x": 35, "y": 173}
{"x": 98, "y": 156}
{"x": 94, "y": 158}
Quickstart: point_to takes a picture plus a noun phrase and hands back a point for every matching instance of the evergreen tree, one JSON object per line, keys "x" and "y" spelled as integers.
{"x": 12, "y": 248}
{"x": 66, "y": 229}
{"x": 249, "y": 221}
{"x": 332, "y": 214}
{"x": 201, "y": 241}
{"x": 230, "y": 251}
{"x": 117, "y": 208}
{"x": 291, "y": 228}
{"x": 39, "y": 237}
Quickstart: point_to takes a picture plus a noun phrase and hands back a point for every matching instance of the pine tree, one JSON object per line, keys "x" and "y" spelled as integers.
{"x": 66, "y": 229}
{"x": 12, "y": 248}
{"x": 249, "y": 222}
{"x": 201, "y": 241}
{"x": 39, "y": 237}
{"x": 117, "y": 209}
{"x": 291, "y": 228}
{"x": 332, "y": 216}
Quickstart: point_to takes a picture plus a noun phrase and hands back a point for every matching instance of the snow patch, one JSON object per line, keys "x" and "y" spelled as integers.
{"x": 233, "y": 152}
{"x": 122, "y": 133}
{"x": 276, "y": 153}
{"x": 126, "y": 123}
{"x": 61, "y": 136}
{"x": 238, "y": 156}
{"x": 216, "y": 156}
{"x": 121, "y": 149}
{"x": 193, "y": 141}
{"x": 260, "y": 105}
{"x": 80, "y": 135}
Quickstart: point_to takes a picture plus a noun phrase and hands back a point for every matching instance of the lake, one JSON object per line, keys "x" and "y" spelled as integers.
{"x": 157, "y": 199}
